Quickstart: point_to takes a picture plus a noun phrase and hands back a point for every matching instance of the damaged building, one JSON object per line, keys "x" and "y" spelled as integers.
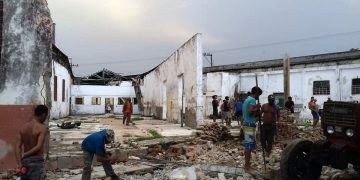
{"x": 334, "y": 75}
{"x": 61, "y": 82}
{"x": 173, "y": 89}
{"x": 94, "y": 93}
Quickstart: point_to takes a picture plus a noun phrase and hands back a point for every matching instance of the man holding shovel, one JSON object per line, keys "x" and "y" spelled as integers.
{"x": 250, "y": 111}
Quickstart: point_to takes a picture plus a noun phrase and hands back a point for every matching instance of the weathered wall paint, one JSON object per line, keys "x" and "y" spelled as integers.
{"x": 26, "y": 54}
{"x": 88, "y": 91}
{"x": 60, "y": 109}
{"x": 301, "y": 80}
{"x": 25, "y": 68}
{"x": 162, "y": 87}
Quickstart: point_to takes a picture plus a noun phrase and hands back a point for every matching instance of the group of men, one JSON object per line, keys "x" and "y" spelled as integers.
{"x": 226, "y": 110}
{"x": 251, "y": 111}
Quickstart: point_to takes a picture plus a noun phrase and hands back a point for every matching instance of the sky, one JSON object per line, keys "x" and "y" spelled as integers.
{"x": 133, "y": 36}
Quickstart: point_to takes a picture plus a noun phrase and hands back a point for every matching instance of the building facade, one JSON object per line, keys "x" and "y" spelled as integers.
{"x": 94, "y": 99}
{"x": 61, "y": 81}
{"x": 173, "y": 90}
{"x": 334, "y": 75}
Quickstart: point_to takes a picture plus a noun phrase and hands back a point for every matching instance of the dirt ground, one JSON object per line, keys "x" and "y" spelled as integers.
{"x": 206, "y": 154}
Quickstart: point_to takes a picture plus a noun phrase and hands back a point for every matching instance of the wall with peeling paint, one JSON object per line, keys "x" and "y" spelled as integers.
{"x": 25, "y": 69}
{"x": 302, "y": 77}
{"x": 60, "y": 108}
{"x": 88, "y": 91}
{"x": 26, "y": 53}
{"x": 163, "y": 88}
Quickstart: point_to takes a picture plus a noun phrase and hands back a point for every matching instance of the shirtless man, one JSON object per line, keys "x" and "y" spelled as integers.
{"x": 30, "y": 145}
{"x": 314, "y": 111}
{"x": 271, "y": 114}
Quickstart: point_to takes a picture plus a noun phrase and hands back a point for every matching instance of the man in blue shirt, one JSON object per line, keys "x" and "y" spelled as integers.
{"x": 250, "y": 111}
{"x": 95, "y": 145}
{"x": 238, "y": 110}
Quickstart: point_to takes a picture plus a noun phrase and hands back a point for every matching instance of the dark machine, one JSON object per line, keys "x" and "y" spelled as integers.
{"x": 340, "y": 121}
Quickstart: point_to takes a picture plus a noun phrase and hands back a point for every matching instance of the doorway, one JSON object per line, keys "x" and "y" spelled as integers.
{"x": 109, "y": 105}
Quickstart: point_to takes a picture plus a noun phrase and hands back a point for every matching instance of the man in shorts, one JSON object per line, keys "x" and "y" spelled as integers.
{"x": 314, "y": 112}
{"x": 250, "y": 111}
{"x": 227, "y": 113}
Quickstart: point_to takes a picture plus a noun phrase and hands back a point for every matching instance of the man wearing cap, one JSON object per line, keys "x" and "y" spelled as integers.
{"x": 271, "y": 115}
{"x": 94, "y": 144}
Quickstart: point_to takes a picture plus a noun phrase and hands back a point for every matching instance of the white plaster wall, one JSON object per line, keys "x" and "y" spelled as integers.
{"x": 213, "y": 87}
{"x": 88, "y": 91}
{"x": 346, "y": 76}
{"x": 301, "y": 83}
{"x": 161, "y": 96}
{"x": 230, "y": 84}
{"x": 60, "y": 109}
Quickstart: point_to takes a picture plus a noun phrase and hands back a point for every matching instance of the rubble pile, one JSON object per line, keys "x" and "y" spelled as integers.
{"x": 214, "y": 132}
{"x": 286, "y": 131}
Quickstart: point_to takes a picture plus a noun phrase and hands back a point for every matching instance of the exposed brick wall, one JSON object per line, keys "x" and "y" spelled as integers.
{"x": 12, "y": 118}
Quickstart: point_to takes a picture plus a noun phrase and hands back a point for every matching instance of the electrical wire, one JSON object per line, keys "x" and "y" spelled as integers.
{"x": 233, "y": 49}
{"x": 126, "y": 61}
{"x": 286, "y": 42}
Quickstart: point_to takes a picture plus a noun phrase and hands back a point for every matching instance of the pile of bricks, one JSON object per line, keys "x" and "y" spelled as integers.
{"x": 214, "y": 132}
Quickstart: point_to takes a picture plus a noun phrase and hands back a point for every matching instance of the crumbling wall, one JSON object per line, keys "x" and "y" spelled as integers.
{"x": 175, "y": 86}
{"x": 26, "y": 53}
{"x": 25, "y": 69}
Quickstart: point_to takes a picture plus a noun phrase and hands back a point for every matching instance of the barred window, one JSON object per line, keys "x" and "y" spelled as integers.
{"x": 96, "y": 101}
{"x": 79, "y": 100}
{"x": 321, "y": 88}
{"x": 355, "y": 88}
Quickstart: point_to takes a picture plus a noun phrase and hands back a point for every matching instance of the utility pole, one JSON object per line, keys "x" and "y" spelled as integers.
{"x": 73, "y": 65}
{"x": 211, "y": 59}
{"x": 286, "y": 77}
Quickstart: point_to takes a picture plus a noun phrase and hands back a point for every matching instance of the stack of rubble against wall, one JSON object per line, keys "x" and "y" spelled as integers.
{"x": 214, "y": 132}
{"x": 288, "y": 130}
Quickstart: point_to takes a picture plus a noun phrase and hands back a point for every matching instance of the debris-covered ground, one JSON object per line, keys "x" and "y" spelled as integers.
{"x": 153, "y": 149}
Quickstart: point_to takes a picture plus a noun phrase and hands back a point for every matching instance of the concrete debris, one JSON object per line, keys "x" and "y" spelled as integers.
{"x": 183, "y": 173}
{"x": 221, "y": 176}
{"x": 212, "y": 154}
{"x": 134, "y": 158}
